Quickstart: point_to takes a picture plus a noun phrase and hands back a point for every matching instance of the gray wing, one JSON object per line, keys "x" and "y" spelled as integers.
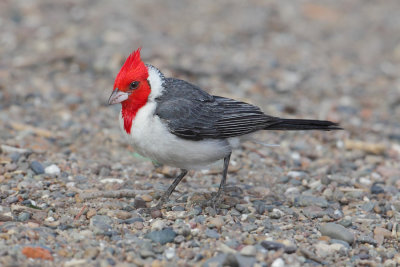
{"x": 192, "y": 113}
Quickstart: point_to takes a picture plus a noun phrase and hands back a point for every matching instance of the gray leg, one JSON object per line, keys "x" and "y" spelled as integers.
{"x": 223, "y": 181}
{"x": 171, "y": 188}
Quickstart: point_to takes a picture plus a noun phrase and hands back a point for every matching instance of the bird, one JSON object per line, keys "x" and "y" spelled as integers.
{"x": 176, "y": 123}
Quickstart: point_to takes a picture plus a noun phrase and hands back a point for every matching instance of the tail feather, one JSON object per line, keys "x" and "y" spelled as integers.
{"x": 298, "y": 124}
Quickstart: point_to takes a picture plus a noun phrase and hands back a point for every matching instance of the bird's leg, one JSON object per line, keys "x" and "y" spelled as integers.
{"x": 171, "y": 188}
{"x": 216, "y": 198}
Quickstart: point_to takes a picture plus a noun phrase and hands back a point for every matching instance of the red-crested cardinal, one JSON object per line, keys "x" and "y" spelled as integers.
{"x": 176, "y": 123}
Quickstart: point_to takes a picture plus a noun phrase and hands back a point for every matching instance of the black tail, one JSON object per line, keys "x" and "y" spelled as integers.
{"x": 296, "y": 124}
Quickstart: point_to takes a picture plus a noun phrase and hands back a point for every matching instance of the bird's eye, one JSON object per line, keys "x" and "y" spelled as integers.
{"x": 133, "y": 85}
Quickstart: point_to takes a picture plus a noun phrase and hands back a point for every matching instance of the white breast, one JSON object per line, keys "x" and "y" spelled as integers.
{"x": 150, "y": 138}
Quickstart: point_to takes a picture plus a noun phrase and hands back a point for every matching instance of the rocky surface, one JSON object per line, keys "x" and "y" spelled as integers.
{"x": 73, "y": 191}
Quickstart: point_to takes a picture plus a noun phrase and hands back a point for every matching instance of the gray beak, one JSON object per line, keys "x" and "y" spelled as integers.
{"x": 117, "y": 96}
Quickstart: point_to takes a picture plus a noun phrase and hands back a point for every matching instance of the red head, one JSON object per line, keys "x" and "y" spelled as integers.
{"x": 131, "y": 88}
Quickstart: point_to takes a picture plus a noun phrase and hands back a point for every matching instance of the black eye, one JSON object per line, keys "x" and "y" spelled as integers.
{"x": 133, "y": 85}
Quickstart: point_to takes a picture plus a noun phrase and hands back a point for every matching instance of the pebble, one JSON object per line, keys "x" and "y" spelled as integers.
{"x": 217, "y": 222}
{"x": 147, "y": 198}
{"x": 377, "y": 189}
{"x": 91, "y": 253}
{"x": 211, "y": 233}
{"x": 346, "y": 221}
{"x": 276, "y": 214}
{"x": 337, "y": 231}
{"x": 138, "y": 225}
{"x": 100, "y": 224}
{"x": 91, "y": 213}
{"x": 123, "y": 215}
{"x": 37, "y": 167}
{"x": 305, "y": 200}
{"x": 380, "y": 234}
{"x": 323, "y": 250}
{"x": 156, "y": 214}
{"x": 145, "y": 253}
{"x": 169, "y": 253}
{"x": 248, "y": 251}
{"x": 162, "y": 236}
{"x": 11, "y": 199}
{"x": 139, "y": 203}
{"x": 157, "y": 225}
{"x": 279, "y": 262}
{"x": 24, "y": 216}
{"x": 52, "y": 169}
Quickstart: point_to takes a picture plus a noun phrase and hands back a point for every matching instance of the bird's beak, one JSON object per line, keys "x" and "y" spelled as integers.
{"x": 117, "y": 96}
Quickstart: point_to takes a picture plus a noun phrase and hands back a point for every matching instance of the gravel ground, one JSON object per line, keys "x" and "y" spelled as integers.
{"x": 72, "y": 190}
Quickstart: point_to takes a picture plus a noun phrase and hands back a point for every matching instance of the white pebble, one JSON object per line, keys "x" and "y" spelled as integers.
{"x": 52, "y": 169}
{"x": 49, "y": 219}
{"x": 169, "y": 253}
{"x": 278, "y": 263}
{"x": 365, "y": 181}
{"x": 111, "y": 180}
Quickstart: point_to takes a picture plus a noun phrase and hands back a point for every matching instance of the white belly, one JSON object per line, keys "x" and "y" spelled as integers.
{"x": 151, "y": 138}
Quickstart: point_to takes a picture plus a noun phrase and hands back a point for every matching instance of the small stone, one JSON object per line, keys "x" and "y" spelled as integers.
{"x": 163, "y": 236}
{"x": 138, "y": 225}
{"x": 279, "y": 262}
{"x": 11, "y": 200}
{"x": 91, "y": 253}
{"x": 248, "y": 251}
{"x": 24, "y": 216}
{"x": 139, "y": 203}
{"x": 157, "y": 225}
{"x": 179, "y": 239}
{"x": 276, "y": 214}
{"x": 145, "y": 253}
{"x": 367, "y": 239}
{"x": 132, "y": 220}
{"x": 217, "y": 222}
{"x": 225, "y": 248}
{"x": 147, "y": 198}
{"x": 210, "y": 211}
{"x": 91, "y": 213}
{"x": 249, "y": 227}
{"x": 100, "y": 224}
{"x": 52, "y": 169}
{"x": 211, "y": 233}
{"x": 337, "y": 231}
{"x": 272, "y": 245}
{"x": 346, "y": 221}
{"x": 169, "y": 253}
{"x": 376, "y": 189}
{"x": 390, "y": 263}
{"x": 111, "y": 180}
{"x": 380, "y": 234}
{"x": 123, "y": 215}
{"x": 313, "y": 212}
{"x": 156, "y": 214}
{"x": 323, "y": 250}
{"x": 305, "y": 200}
{"x": 37, "y": 167}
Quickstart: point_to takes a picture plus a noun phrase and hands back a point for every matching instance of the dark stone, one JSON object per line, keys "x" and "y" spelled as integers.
{"x": 271, "y": 245}
{"x": 211, "y": 233}
{"x": 139, "y": 203}
{"x": 164, "y": 236}
{"x": 132, "y": 220}
{"x": 37, "y": 167}
{"x": 377, "y": 189}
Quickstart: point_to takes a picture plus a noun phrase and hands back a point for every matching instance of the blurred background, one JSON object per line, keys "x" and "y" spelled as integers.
{"x": 336, "y": 60}
{"x": 333, "y": 59}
